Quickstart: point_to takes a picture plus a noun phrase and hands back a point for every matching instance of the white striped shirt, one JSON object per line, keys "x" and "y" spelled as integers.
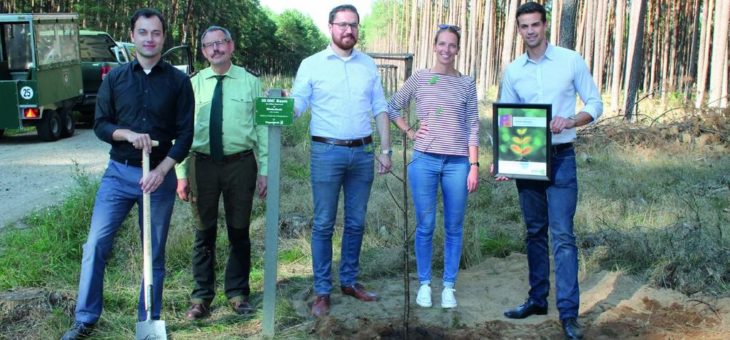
{"x": 448, "y": 104}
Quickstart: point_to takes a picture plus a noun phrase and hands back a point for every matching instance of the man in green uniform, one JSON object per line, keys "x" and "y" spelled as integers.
{"x": 223, "y": 161}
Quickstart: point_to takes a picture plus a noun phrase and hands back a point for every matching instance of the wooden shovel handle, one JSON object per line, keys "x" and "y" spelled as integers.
{"x": 147, "y": 235}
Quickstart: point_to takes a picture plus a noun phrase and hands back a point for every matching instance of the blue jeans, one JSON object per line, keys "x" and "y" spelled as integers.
{"x": 118, "y": 192}
{"x": 425, "y": 173}
{"x": 334, "y": 168}
{"x": 551, "y": 205}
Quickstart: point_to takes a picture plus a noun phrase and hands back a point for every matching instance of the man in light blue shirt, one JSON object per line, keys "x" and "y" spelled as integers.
{"x": 548, "y": 74}
{"x": 342, "y": 87}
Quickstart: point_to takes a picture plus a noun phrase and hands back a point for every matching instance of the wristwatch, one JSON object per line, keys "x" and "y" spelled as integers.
{"x": 387, "y": 152}
{"x": 474, "y": 163}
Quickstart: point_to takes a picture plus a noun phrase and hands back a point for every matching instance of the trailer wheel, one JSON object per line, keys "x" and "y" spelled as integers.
{"x": 68, "y": 123}
{"x": 49, "y": 128}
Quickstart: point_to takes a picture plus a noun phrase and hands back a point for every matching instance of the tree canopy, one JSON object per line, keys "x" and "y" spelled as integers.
{"x": 265, "y": 42}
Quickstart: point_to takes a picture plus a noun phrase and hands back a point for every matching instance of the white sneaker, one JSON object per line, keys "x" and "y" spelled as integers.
{"x": 448, "y": 300}
{"x": 423, "y": 298}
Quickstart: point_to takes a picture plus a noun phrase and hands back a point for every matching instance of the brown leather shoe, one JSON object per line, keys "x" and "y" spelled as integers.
{"x": 358, "y": 291}
{"x": 241, "y": 307}
{"x": 197, "y": 311}
{"x": 321, "y": 306}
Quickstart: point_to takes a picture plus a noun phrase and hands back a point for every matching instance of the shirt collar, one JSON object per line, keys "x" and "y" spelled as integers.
{"x": 231, "y": 73}
{"x": 137, "y": 65}
{"x": 330, "y": 53}
{"x": 549, "y": 54}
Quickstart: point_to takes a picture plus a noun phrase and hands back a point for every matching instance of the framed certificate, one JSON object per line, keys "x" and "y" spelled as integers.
{"x": 521, "y": 140}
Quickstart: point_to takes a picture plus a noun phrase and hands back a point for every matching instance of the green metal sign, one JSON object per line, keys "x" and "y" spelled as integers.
{"x": 274, "y": 111}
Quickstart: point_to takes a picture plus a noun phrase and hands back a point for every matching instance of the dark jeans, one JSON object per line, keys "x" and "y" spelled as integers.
{"x": 551, "y": 206}
{"x": 118, "y": 192}
{"x": 236, "y": 181}
{"x": 335, "y": 168}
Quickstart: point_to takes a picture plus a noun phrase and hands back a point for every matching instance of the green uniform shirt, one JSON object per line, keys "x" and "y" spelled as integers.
{"x": 240, "y": 133}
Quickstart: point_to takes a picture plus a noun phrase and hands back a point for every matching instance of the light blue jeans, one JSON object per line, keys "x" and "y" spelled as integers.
{"x": 334, "y": 168}
{"x": 425, "y": 173}
{"x": 550, "y": 206}
{"x": 118, "y": 192}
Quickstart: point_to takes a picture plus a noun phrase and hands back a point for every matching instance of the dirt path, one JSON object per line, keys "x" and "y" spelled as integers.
{"x": 613, "y": 306}
{"x": 36, "y": 174}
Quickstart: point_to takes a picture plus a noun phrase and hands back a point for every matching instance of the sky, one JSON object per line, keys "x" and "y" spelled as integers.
{"x": 318, "y": 10}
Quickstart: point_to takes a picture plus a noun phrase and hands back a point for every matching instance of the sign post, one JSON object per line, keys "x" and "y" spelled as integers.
{"x": 275, "y": 112}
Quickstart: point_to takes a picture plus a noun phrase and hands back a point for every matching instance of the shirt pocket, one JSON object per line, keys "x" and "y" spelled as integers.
{"x": 240, "y": 107}
{"x": 362, "y": 81}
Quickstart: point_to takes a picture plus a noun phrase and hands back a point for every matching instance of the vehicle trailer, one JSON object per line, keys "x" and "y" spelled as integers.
{"x": 40, "y": 73}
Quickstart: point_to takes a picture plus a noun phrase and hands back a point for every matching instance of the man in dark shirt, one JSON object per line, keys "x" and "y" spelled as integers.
{"x": 137, "y": 103}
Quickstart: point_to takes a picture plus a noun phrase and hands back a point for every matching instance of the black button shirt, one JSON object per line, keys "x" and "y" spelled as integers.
{"x": 160, "y": 104}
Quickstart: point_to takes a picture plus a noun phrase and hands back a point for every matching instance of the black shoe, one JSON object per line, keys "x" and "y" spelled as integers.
{"x": 241, "y": 306}
{"x": 79, "y": 330}
{"x": 526, "y": 309}
{"x": 571, "y": 328}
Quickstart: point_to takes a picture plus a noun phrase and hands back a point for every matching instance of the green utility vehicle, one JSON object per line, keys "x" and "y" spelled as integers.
{"x": 97, "y": 50}
{"x": 40, "y": 73}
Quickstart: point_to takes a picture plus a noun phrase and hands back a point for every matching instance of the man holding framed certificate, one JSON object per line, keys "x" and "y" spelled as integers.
{"x": 550, "y": 75}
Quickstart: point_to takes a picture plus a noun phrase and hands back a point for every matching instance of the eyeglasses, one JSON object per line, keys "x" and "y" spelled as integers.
{"x": 447, "y": 26}
{"x": 215, "y": 43}
{"x": 344, "y": 25}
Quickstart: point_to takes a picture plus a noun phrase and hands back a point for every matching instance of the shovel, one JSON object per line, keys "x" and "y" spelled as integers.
{"x": 148, "y": 329}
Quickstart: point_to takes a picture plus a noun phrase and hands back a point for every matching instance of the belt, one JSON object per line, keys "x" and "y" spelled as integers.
{"x": 137, "y": 163}
{"x": 227, "y": 158}
{"x": 558, "y": 148}
{"x": 344, "y": 142}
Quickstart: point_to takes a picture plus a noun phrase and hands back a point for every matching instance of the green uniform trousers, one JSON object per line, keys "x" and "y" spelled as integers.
{"x": 235, "y": 180}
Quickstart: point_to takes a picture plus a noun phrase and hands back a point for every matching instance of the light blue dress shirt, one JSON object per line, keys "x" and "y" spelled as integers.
{"x": 554, "y": 79}
{"x": 344, "y": 94}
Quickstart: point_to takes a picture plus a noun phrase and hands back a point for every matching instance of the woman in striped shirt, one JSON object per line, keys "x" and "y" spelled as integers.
{"x": 446, "y": 150}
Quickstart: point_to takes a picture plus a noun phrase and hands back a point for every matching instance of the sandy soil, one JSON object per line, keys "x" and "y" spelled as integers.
{"x": 36, "y": 174}
{"x": 613, "y": 306}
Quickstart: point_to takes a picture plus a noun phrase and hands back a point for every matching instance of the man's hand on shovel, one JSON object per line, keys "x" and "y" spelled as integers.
{"x": 140, "y": 141}
{"x": 152, "y": 181}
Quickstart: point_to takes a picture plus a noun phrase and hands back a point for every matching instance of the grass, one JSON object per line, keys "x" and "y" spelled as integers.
{"x": 21, "y": 131}
{"x": 651, "y": 204}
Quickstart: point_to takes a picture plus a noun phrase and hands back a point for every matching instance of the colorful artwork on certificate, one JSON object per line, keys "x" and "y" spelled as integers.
{"x": 522, "y": 134}
{"x": 522, "y": 140}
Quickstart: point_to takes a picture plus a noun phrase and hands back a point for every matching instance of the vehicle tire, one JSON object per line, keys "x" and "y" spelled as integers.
{"x": 49, "y": 128}
{"x": 68, "y": 123}
{"x": 86, "y": 116}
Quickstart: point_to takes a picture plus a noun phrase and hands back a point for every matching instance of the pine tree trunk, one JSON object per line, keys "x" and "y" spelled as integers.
{"x": 618, "y": 50}
{"x": 636, "y": 33}
{"x": 704, "y": 52}
{"x": 569, "y": 8}
{"x": 509, "y": 34}
{"x": 718, "y": 76}
{"x": 691, "y": 74}
{"x": 589, "y": 13}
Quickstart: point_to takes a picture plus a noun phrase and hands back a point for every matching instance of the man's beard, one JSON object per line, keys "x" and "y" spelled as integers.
{"x": 343, "y": 45}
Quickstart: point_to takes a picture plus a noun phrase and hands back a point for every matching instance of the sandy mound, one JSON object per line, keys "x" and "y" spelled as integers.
{"x": 613, "y": 306}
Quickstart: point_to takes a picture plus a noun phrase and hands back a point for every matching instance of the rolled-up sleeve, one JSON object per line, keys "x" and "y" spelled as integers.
{"x": 587, "y": 90}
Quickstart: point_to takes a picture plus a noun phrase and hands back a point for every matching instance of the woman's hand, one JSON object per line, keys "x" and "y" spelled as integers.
{"x": 472, "y": 181}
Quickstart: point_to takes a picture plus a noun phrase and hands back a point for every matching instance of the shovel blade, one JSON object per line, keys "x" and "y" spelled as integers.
{"x": 151, "y": 330}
